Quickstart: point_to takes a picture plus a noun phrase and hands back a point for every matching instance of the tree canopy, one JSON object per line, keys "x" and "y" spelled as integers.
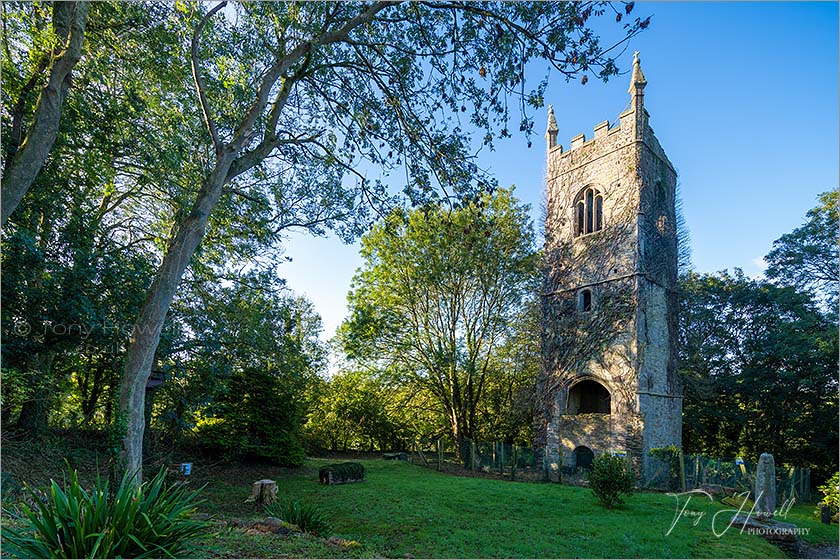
{"x": 759, "y": 363}
{"x": 438, "y": 295}
{"x": 806, "y": 258}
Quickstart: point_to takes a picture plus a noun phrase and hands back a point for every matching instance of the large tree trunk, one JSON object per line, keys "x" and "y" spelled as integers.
{"x": 69, "y": 21}
{"x": 146, "y": 334}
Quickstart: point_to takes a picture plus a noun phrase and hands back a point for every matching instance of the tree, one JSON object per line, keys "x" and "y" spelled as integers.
{"x": 300, "y": 92}
{"x": 69, "y": 288}
{"x": 79, "y": 250}
{"x": 806, "y": 258}
{"x": 437, "y": 295}
{"x": 253, "y": 354}
{"x": 52, "y": 56}
{"x": 507, "y": 411}
{"x": 356, "y": 410}
{"x": 759, "y": 364}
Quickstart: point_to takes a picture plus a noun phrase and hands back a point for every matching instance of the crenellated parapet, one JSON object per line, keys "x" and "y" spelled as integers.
{"x": 605, "y": 138}
{"x": 631, "y": 126}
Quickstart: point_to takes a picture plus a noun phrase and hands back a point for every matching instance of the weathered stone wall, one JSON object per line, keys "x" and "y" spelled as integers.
{"x": 627, "y": 342}
{"x": 591, "y": 430}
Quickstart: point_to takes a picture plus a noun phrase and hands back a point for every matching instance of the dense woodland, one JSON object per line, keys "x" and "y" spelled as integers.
{"x": 148, "y": 238}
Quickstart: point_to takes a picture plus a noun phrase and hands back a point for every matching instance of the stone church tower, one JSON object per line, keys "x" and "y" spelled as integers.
{"x": 609, "y": 378}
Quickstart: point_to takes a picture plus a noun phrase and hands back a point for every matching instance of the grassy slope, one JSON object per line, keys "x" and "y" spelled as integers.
{"x": 403, "y": 509}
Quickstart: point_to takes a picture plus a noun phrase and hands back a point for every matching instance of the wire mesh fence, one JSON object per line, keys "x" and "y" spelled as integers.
{"x": 501, "y": 459}
{"x": 730, "y": 476}
{"x": 669, "y": 473}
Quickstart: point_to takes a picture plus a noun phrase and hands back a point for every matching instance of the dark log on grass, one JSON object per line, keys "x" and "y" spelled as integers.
{"x": 341, "y": 473}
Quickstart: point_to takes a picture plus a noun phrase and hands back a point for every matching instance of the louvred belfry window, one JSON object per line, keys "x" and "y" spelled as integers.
{"x": 589, "y": 211}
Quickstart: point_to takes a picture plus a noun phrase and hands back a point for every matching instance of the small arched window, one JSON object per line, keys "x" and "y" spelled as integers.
{"x": 585, "y": 300}
{"x": 589, "y": 211}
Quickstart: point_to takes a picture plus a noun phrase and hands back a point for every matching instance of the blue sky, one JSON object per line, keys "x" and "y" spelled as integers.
{"x": 743, "y": 98}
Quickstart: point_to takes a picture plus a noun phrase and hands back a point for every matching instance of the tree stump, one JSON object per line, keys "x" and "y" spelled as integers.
{"x": 263, "y": 492}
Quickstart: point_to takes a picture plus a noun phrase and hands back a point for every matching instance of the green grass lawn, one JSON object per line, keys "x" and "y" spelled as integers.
{"x": 404, "y": 510}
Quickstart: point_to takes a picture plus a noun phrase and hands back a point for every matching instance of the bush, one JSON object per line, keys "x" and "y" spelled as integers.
{"x": 342, "y": 472}
{"x": 232, "y": 440}
{"x": 829, "y": 491}
{"x": 303, "y": 514}
{"x": 152, "y": 521}
{"x": 610, "y": 480}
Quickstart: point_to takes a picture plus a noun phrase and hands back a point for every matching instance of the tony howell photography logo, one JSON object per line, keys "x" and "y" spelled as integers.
{"x": 739, "y": 516}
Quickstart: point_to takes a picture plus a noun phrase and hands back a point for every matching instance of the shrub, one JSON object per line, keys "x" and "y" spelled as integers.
{"x": 610, "y": 480}
{"x": 305, "y": 515}
{"x": 342, "y": 472}
{"x": 232, "y": 439}
{"x": 152, "y": 521}
{"x": 830, "y": 491}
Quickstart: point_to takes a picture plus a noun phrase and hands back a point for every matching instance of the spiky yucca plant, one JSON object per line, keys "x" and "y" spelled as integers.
{"x": 154, "y": 520}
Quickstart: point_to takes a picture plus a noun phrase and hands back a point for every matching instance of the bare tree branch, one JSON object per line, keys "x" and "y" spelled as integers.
{"x": 199, "y": 81}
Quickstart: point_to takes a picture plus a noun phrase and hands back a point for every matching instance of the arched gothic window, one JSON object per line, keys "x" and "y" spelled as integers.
{"x": 589, "y": 211}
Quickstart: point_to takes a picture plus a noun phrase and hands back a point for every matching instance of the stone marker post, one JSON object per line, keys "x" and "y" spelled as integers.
{"x": 765, "y": 487}
{"x": 760, "y": 520}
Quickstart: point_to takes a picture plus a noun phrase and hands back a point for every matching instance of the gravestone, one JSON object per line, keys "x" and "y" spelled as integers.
{"x": 825, "y": 515}
{"x": 765, "y": 487}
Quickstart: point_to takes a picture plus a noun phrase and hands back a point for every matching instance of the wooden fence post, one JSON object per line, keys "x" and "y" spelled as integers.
{"x": 502, "y": 458}
{"x": 807, "y": 483}
{"x": 513, "y": 461}
{"x": 420, "y": 452}
{"x": 802, "y": 483}
{"x": 792, "y": 483}
{"x": 682, "y": 471}
{"x": 697, "y": 471}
